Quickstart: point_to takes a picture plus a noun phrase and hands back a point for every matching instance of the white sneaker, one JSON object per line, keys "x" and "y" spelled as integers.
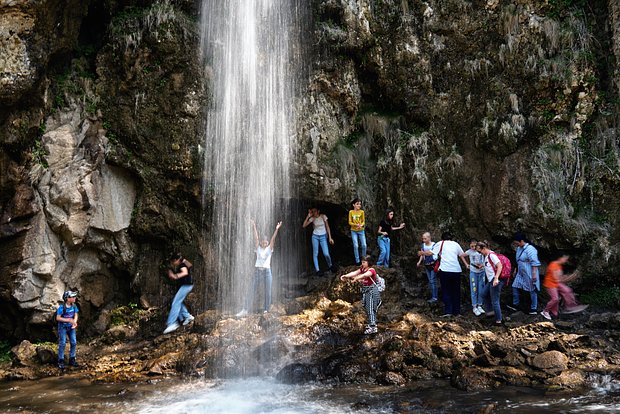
{"x": 188, "y": 320}
{"x": 171, "y": 328}
{"x": 242, "y": 313}
{"x": 370, "y": 330}
{"x": 545, "y": 315}
{"x": 476, "y": 311}
{"x": 481, "y": 310}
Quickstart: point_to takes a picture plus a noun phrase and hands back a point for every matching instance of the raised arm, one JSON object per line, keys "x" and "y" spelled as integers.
{"x": 361, "y": 276}
{"x": 275, "y": 233}
{"x": 255, "y": 232}
{"x": 350, "y": 275}
{"x": 307, "y": 221}
{"x": 175, "y": 276}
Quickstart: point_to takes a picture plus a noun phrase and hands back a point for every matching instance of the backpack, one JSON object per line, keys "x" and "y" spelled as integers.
{"x": 380, "y": 283}
{"x": 506, "y": 265}
{"x": 428, "y": 260}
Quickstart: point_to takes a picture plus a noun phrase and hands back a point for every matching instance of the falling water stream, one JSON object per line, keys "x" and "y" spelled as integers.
{"x": 250, "y": 49}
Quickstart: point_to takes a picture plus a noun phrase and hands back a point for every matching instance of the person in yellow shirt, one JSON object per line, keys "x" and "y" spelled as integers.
{"x": 357, "y": 222}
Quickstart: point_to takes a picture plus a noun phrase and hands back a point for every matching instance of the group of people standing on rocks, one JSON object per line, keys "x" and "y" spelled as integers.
{"x": 489, "y": 272}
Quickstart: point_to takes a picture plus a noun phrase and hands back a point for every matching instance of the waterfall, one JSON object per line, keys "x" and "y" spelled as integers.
{"x": 250, "y": 50}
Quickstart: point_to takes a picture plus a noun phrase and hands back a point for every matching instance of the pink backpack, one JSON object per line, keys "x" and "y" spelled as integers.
{"x": 506, "y": 265}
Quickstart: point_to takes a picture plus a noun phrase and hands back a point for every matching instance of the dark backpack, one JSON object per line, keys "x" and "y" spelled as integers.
{"x": 429, "y": 260}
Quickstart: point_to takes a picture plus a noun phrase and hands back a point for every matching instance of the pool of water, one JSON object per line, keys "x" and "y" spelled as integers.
{"x": 252, "y": 396}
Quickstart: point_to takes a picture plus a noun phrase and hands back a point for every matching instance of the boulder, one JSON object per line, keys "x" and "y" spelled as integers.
{"x": 569, "y": 379}
{"x": 24, "y": 353}
{"x": 550, "y": 361}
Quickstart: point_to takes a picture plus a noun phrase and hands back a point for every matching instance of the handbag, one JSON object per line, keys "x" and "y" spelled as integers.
{"x": 438, "y": 261}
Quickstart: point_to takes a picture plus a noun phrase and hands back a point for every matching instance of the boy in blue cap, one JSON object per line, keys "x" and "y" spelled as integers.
{"x": 67, "y": 318}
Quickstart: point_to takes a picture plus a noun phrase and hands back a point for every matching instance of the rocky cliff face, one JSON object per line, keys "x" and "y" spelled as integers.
{"x": 483, "y": 117}
{"x": 99, "y": 177}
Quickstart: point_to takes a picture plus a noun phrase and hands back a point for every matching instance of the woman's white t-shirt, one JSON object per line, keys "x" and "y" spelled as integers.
{"x": 449, "y": 255}
{"x": 488, "y": 268}
{"x": 263, "y": 257}
{"x": 319, "y": 224}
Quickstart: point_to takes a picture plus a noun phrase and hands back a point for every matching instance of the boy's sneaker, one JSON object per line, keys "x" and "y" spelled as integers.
{"x": 370, "y": 330}
{"x": 61, "y": 364}
{"x": 533, "y": 312}
{"x": 576, "y": 309}
{"x": 545, "y": 315}
{"x": 433, "y": 300}
{"x": 73, "y": 363}
{"x": 188, "y": 320}
{"x": 242, "y": 313}
{"x": 481, "y": 310}
{"x": 476, "y": 311}
{"x": 171, "y": 328}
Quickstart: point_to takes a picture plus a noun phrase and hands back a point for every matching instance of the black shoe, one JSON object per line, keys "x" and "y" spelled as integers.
{"x": 73, "y": 363}
{"x": 333, "y": 269}
{"x": 533, "y": 312}
{"x": 319, "y": 273}
{"x": 61, "y": 364}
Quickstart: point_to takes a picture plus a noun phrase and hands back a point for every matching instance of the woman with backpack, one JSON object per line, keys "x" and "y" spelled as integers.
{"x": 371, "y": 298}
{"x": 493, "y": 269}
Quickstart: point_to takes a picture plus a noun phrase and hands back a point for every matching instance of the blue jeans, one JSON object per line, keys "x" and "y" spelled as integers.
{"x": 265, "y": 275}
{"x": 432, "y": 281}
{"x": 533, "y": 297}
{"x": 322, "y": 240}
{"x": 476, "y": 284}
{"x": 384, "y": 249}
{"x": 359, "y": 239}
{"x": 178, "y": 311}
{"x": 64, "y": 330}
{"x": 491, "y": 295}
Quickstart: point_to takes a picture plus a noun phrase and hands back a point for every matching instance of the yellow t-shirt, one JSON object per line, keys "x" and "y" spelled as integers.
{"x": 357, "y": 217}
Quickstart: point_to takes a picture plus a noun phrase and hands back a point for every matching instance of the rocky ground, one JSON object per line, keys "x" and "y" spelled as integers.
{"x": 318, "y": 337}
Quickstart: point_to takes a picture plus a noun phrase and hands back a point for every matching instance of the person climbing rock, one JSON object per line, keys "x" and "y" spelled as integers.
{"x": 180, "y": 271}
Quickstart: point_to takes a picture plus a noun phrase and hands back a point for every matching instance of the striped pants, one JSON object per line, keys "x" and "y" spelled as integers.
{"x": 371, "y": 299}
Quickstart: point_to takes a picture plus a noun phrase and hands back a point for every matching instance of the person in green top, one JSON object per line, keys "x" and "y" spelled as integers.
{"x": 357, "y": 222}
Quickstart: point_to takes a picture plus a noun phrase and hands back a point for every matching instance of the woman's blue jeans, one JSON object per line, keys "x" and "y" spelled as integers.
{"x": 359, "y": 239}
{"x": 384, "y": 251}
{"x": 476, "y": 284}
{"x": 64, "y": 330}
{"x": 491, "y": 295}
{"x": 261, "y": 274}
{"x": 178, "y": 311}
{"x": 432, "y": 281}
{"x": 316, "y": 241}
